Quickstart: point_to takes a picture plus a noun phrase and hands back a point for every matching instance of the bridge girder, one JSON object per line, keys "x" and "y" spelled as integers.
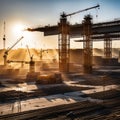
{"x": 76, "y": 29}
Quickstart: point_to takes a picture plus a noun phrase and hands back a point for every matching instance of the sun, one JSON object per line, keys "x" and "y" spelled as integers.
{"x": 18, "y": 29}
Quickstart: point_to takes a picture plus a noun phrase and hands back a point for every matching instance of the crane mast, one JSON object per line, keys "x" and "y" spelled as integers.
{"x": 4, "y": 37}
{"x": 28, "y": 51}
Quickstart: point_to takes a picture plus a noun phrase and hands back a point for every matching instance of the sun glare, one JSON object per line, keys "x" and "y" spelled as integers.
{"x": 18, "y": 29}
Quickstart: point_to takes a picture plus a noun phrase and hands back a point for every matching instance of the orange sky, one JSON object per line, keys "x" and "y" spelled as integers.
{"x": 33, "y": 13}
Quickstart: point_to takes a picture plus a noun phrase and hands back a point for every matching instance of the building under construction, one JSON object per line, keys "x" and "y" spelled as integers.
{"x": 78, "y": 84}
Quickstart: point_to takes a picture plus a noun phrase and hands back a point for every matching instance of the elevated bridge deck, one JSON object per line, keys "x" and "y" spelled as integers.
{"x": 99, "y": 29}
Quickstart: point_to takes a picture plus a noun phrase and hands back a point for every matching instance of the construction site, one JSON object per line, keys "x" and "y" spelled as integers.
{"x": 63, "y": 83}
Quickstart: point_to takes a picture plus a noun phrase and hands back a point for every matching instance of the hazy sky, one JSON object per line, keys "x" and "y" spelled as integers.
{"x": 32, "y": 13}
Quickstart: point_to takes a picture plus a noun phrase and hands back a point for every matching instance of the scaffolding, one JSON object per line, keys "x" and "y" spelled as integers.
{"x": 64, "y": 44}
{"x": 87, "y": 44}
{"x": 107, "y": 47}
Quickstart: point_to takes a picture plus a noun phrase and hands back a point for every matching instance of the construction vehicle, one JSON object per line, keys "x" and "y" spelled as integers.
{"x": 8, "y": 50}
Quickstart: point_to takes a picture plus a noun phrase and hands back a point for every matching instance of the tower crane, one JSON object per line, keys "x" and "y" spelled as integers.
{"x": 31, "y": 63}
{"x": 7, "y": 51}
{"x": 64, "y": 39}
{"x": 31, "y": 56}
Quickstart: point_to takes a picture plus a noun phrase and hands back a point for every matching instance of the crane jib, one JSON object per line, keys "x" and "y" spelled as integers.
{"x": 97, "y": 6}
{"x": 15, "y": 43}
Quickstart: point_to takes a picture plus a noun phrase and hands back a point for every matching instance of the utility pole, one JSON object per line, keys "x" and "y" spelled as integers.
{"x": 4, "y": 37}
